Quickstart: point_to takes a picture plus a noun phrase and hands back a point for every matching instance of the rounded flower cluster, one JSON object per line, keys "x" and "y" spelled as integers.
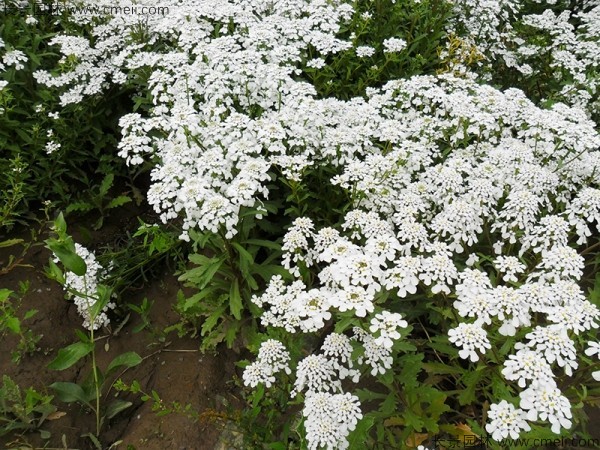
{"x": 83, "y": 289}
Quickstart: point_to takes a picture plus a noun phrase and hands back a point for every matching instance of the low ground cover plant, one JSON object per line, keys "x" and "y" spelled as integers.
{"x": 393, "y": 205}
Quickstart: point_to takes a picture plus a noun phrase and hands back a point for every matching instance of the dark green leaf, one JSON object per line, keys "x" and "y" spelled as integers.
{"x": 116, "y": 407}
{"x": 70, "y": 355}
{"x": 129, "y": 359}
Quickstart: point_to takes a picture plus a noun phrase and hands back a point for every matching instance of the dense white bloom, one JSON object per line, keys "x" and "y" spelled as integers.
{"x": 546, "y": 402}
{"x": 329, "y": 419}
{"x": 364, "y": 51}
{"x": 553, "y": 343}
{"x": 387, "y": 324}
{"x": 510, "y": 266}
{"x": 257, "y": 373}
{"x": 14, "y": 58}
{"x": 506, "y": 420}
{"x": 527, "y": 366}
{"x": 316, "y": 373}
{"x": 471, "y": 337}
{"x": 83, "y": 289}
{"x": 394, "y": 45}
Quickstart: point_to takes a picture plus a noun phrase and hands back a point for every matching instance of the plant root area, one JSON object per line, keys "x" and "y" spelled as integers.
{"x": 172, "y": 367}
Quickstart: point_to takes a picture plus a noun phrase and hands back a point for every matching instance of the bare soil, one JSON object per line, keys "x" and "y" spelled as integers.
{"x": 172, "y": 366}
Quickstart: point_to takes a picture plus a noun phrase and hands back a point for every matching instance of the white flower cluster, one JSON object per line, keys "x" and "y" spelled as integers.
{"x": 272, "y": 358}
{"x": 83, "y": 289}
{"x": 436, "y": 167}
{"x": 329, "y": 419}
{"x": 567, "y": 37}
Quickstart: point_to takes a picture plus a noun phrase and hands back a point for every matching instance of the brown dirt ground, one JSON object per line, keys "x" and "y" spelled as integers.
{"x": 174, "y": 368}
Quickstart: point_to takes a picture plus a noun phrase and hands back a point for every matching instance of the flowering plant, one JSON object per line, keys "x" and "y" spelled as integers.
{"x": 448, "y": 264}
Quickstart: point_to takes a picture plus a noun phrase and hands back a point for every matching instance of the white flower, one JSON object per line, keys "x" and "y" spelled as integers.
{"x": 546, "y": 402}
{"x": 329, "y": 419}
{"x": 273, "y": 354}
{"x": 394, "y": 45}
{"x": 316, "y": 373}
{"x": 506, "y": 420}
{"x": 258, "y": 373}
{"x": 387, "y": 324}
{"x": 510, "y": 265}
{"x": 553, "y": 343}
{"x": 471, "y": 337}
{"x": 364, "y": 51}
{"x": 528, "y": 366}
{"x": 86, "y": 288}
{"x": 15, "y": 58}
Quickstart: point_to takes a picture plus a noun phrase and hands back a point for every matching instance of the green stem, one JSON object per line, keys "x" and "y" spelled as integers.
{"x": 96, "y": 384}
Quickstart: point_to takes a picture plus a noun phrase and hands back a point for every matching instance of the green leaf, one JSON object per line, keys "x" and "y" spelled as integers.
{"x": 13, "y": 324}
{"x": 70, "y": 355}
{"x": 118, "y": 201}
{"x": 246, "y": 259}
{"x": 116, "y": 407}
{"x": 360, "y": 436}
{"x": 106, "y": 184}
{"x": 67, "y": 255}
{"x": 79, "y": 206}
{"x": 69, "y": 392}
{"x": 104, "y": 294}
{"x": 235, "y": 300}
{"x": 10, "y": 242}
{"x": 129, "y": 359}
{"x": 4, "y": 294}
{"x": 29, "y": 314}
{"x": 263, "y": 243}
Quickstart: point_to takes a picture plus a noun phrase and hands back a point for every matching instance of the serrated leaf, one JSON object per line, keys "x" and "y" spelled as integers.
{"x": 358, "y": 438}
{"x": 106, "y": 184}
{"x": 70, "y": 355}
{"x": 235, "y": 300}
{"x": 79, "y": 206}
{"x": 212, "y": 319}
{"x": 118, "y": 201}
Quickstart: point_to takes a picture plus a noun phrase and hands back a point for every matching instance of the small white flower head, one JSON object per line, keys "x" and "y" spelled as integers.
{"x": 387, "y": 324}
{"x": 510, "y": 266}
{"x": 316, "y": 63}
{"x": 546, "y": 402}
{"x": 354, "y": 298}
{"x": 594, "y": 349}
{"x": 30, "y": 20}
{"x": 364, "y": 51}
{"x": 316, "y": 373}
{"x": 15, "y": 58}
{"x": 329, "y": 419}
{"x": 86, "y": 287}
{"x": 561, "y": 263}
{"x": 528, "y": 366}
{"x": 471, "y": 337}
{"x": 577, "y": 315}
{"x": 274, "y": 354}
{"x": 506, "y": 420}
{"x": 553, "y": 343}
{"x": 375, "y": 355}
{"x": 337, "y": 347}
{"x": 258, "y": 373}
{"x": 394, "y": 45}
